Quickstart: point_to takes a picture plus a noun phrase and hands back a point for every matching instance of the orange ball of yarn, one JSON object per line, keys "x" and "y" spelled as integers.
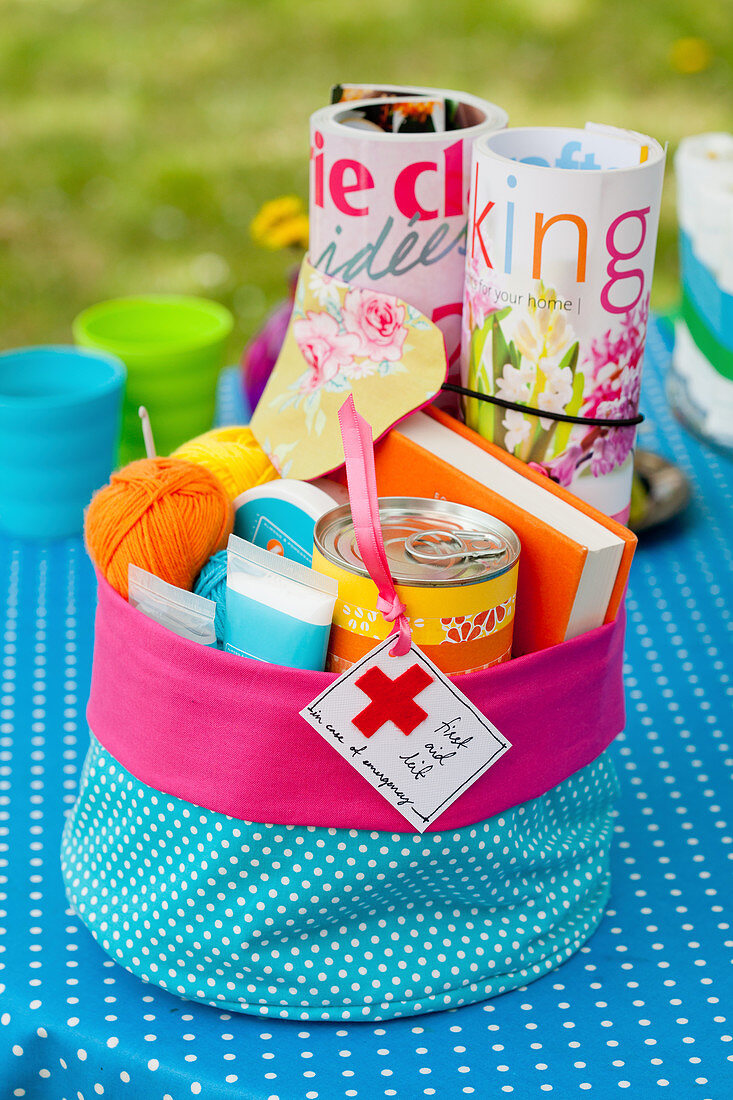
{"x": 164, "y": 515}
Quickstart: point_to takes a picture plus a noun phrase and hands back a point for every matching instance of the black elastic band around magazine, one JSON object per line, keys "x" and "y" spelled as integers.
{"x": 590, "y": 421}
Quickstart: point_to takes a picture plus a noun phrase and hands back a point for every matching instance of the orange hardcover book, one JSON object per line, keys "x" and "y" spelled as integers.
{"x": 575, "y": 561}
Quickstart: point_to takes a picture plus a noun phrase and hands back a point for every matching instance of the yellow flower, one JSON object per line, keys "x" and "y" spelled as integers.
{"x": 543, "y": 332}
{"x": 281, "y": 223}
{"x": 690, "y": 55}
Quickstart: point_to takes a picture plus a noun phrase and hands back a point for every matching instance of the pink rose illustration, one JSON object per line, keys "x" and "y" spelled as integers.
{"x": 378, "y": 322}
{"x": 326, "y": 350}
{"x": 478, "y": 295}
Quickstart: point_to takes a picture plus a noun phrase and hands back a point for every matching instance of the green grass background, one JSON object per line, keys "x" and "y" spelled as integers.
{"x": 139, "y": 137}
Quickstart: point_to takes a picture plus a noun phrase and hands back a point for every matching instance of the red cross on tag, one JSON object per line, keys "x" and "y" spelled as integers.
{"x": 392, "y": 700}
{"x": 451, "y": 743}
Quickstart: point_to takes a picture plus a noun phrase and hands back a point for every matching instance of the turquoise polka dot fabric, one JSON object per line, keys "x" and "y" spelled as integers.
{"x": 332, "y": 924}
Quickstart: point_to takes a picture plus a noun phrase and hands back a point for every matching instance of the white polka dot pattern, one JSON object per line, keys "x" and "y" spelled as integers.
{"x": 641, "y": 1009}
{"x": 327, "y": 924}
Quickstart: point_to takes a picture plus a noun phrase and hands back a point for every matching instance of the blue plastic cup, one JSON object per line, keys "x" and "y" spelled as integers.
{"x": 60, "y": 410}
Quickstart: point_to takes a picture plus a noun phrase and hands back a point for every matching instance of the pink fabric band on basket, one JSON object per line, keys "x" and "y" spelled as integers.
{"x": 224, "y": 732}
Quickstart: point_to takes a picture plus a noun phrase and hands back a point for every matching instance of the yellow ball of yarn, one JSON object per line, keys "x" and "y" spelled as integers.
{"x": 233, "y": 455}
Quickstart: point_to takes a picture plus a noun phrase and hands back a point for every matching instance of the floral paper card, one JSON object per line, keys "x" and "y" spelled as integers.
{"x": 343, "y": 339}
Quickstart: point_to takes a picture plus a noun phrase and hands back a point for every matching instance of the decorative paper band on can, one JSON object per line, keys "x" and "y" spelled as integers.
{"x": 358, "y": 615}
{"x": 560, "y": 252}
{"x": 388, "y": 209}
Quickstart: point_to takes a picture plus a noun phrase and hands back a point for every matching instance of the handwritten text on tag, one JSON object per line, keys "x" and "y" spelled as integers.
{"x": 408, "y": 730}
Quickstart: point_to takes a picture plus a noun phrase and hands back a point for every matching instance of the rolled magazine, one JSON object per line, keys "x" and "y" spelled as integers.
{"x": 389, "y": 177}
{"x": 560, "y": 252}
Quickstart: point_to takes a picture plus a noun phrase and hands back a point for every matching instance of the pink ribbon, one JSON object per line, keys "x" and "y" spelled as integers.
{"x": 356, "y": 434}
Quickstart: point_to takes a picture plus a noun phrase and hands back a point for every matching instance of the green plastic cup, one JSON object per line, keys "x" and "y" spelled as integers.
{"x": 173, "y": 347}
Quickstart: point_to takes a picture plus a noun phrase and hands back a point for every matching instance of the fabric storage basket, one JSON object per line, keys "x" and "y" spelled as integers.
{"x": 221, "y": 849}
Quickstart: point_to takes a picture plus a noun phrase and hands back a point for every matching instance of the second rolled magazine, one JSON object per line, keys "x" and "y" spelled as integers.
{"x": 561, "y": 239}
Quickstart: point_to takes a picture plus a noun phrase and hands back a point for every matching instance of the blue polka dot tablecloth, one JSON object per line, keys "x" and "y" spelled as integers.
{"x": 640, "y": 1010}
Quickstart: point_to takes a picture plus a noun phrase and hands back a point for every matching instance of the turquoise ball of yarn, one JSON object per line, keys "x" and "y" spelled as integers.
{"x": 212, "y": 583}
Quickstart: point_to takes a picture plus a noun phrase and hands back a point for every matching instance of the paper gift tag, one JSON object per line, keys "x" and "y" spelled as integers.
{"x": 343, "y": 339}
{"x": 408, "y": 730}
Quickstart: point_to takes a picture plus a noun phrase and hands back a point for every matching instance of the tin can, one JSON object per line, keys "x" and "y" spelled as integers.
{"x": 455, "y": 570}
